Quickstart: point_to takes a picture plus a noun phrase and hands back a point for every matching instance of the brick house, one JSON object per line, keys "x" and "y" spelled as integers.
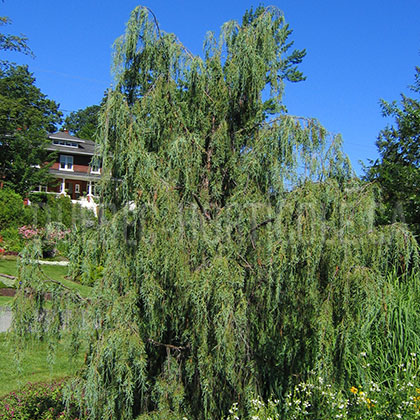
{"x": 74, "y": 170}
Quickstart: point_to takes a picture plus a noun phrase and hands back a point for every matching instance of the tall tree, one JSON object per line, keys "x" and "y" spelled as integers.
{"x": 398, "y": 168}
{"x": 9, "y": 42}
{"x": 239, "y": 247}
{"x": 84, "y": 122}
{"x": 26, "y": 118}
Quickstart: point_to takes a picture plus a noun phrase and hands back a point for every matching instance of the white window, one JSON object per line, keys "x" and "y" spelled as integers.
{"x": 77, "y": 188}
{"x": 66, "y": 163}
{"x": 95, "y": 167}
{"x": 65, "y": 143}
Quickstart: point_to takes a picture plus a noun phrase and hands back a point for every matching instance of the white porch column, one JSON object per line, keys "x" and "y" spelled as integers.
{"x": 89, "y": 196}
{"x": 63, "y": 187}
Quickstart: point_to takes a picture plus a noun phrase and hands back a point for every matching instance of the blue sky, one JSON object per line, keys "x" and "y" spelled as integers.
{"x": 357, "y": 52}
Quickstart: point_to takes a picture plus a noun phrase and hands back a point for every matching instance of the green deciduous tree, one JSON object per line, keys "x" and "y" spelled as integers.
{"x": 84, "y": 122}
{"x": 398, "y": 168}
{"x": 236, "y": 251}
{"x": 26, "y": 118}
{"x": 17, "y": 43}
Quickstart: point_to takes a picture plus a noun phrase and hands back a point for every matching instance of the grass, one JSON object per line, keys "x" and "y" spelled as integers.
{"x": 8, "y": 267}
{"x": 34, "y": 366}
{"x": 56, "y": 272}
{"x": 5, "y": 301}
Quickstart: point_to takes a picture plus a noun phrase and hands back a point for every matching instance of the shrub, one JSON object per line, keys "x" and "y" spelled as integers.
{"x": 11, "y": 208}
{"x": 51, "y": 236}
{"x": 41, "y": 401}
{"x": 12, "y": 240}
{"x": 48, "y": 208}
{"x": 55, "y": 233}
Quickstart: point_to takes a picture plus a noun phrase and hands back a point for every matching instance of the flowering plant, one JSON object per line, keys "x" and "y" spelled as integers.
{"x": 49, "y": 236}
{"x": 30, "y": 232}
{"x": 38, "y": 401}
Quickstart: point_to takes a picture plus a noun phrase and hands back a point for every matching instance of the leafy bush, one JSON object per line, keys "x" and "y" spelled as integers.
{"x": 93, "y": 274}
{"x": 12, "y": 240}
{"x": 11, "y": 208}
{"x": 46, "y": 208}
{"x": 39, "y": 401}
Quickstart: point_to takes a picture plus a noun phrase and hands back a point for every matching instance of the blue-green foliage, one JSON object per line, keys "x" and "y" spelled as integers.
{"x": 236, "y": 253}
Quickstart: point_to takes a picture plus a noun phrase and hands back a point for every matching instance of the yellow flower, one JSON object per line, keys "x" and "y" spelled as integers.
{"x": 353, "y": 389}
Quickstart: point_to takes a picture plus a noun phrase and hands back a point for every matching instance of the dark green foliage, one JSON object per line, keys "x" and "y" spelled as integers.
{"x": 46, "y": 208}
{"x": 12, "y": 241}
{"x": 236, "y": 251}
{"x": 45, "y": 211}
{"x": 11, "y": 208}
{"x": 26, "y": 117}
{"x": 398, "y": 168}
{"x": 84, "y": 122}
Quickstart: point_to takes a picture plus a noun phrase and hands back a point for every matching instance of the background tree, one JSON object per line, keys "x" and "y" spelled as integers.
{"x": 398, "y": 168}
{"x": 84, "y": 122}
{"x": 236, "y": 254}
{"x": 17, "y": 43}
{"x": 26, "y": 118}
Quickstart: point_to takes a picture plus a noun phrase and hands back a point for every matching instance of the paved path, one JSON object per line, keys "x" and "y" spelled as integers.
{"x": 53, "y": 262}
{"x": 5, "y": 318}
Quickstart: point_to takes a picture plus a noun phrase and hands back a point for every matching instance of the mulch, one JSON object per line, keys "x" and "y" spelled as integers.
{"x": 7, "y": 291}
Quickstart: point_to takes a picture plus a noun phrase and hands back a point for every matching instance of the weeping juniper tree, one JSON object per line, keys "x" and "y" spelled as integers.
{"x": 236, "y": 251}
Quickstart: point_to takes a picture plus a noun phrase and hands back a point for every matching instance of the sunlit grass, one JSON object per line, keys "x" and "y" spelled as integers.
{"x": 33, "y": 366}
{"x": 55, "y": 272}
{"x": 5, "y": 301}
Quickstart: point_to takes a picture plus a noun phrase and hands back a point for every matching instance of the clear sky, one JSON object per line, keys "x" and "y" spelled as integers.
{"x": 357, "y": 52}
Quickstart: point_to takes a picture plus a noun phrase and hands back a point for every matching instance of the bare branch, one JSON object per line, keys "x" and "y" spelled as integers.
{"x": 168, "y": 346}
{"x": 204, "y": 212}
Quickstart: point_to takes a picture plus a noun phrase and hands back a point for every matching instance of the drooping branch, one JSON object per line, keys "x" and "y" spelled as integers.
{"x": 61, "y": 285}
{"x": 203, "y": 211}
{"x": 168, "y": 346}
{"x": 265, "y": 222}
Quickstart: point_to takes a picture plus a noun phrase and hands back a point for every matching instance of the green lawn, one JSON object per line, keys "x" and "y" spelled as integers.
{"x": 34, "y": 366}
{"x": 8, "y": 267}
{"x": 55, "y": 272}
{"x": 5, "y": 301}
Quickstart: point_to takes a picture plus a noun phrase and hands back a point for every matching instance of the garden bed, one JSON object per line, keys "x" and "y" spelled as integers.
{"x": 7, "y": 291}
